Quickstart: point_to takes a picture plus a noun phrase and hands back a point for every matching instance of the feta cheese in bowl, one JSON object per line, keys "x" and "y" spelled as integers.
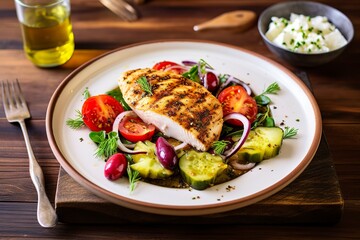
{"x": 305, "y": 33}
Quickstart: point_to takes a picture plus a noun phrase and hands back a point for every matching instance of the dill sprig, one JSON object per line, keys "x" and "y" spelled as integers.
{"x": 77, "y": 122}
{"x": 290, "y": 132}
{"x": 145, "y": 85}
{"x": 262, "y": 99}
{"x": 107, "y": 143}
{"x": 272, "y": 88}
{"x": 134, "y": 177}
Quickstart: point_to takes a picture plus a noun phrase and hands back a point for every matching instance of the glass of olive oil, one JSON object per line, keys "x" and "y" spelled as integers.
{"x": 47, "y": 31}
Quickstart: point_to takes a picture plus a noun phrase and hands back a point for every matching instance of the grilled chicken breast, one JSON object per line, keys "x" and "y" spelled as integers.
{"x": 177, "y": 106}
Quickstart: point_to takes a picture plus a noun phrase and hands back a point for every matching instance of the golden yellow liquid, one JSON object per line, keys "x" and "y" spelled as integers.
{"x": 48, "y": 36}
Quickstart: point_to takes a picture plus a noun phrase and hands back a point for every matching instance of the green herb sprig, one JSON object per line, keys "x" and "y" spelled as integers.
{"x": 264, "y": 119}
{"x": 193, "y": 73}
{"x": 134, "y": 177}
{"x": 117, "y": 94}
{"x": 262, "y": 99}
{"x": 107, "y": 143}
{"x": 145, "y": 85}
{"x": 220, "y": 146}
{"x": 290, "y": 132}
{"x": 77, "y": 122}
{"x": 86, "y": 93}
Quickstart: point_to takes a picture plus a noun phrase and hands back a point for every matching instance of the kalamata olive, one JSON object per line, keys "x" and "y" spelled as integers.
{"x": 115, "y": 166}
{"x": 166, "y": 153}
{"x": 212, "y": 81}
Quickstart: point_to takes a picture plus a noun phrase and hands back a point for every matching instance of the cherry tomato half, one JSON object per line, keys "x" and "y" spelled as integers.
{"x": 134, "y": 129}
{"x": 234, "y": 99}
{"x": 99, "y": 112}
{"x": 174, "y": 67}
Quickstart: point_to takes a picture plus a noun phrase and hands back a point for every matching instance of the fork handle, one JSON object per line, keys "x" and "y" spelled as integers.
{"x": 46, "y": 214}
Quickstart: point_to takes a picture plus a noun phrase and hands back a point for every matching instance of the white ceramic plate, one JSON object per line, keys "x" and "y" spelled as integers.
{"x": 295, "y": 107}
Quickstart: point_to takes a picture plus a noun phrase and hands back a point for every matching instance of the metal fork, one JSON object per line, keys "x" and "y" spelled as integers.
{"x": 16, "y": 110}
{"x": 121, "y": 8}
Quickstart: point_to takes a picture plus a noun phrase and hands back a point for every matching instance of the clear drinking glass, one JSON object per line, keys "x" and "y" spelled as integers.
{"x": 47, "y": 31}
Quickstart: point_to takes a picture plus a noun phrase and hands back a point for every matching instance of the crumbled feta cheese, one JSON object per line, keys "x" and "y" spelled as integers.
{"x": 305, "y": 34}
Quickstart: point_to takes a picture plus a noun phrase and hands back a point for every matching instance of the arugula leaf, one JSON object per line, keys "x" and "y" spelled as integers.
{"x": 117, "y": 94}
{"x": 220, "y": 146}
{"x": 290, "y": 132}
{"x": 264, "y": 119}
{"x": 107, "y": 143}
{"x": 145, "y": 85}
{"x": 269, "y": 122}
{"x": 193, "y": 73}
{"x": 76, "y": 123}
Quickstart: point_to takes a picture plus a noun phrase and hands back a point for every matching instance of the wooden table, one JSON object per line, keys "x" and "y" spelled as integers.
{"x": 335, "y": 86}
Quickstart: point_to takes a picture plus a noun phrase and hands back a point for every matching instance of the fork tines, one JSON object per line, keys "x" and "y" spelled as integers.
{"x": 13, "y": 100}
{"x": 12, "y": 94}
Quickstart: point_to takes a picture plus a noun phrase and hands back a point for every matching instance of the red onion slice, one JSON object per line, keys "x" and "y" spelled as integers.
{"x": 232, "y": 79}
{"x": 247, "y": 128}
{"x": 189, "y": 63}
{"x": 123, "y": 147}
{"x": 240, "y": 166}
{"x": 177, "y": 67}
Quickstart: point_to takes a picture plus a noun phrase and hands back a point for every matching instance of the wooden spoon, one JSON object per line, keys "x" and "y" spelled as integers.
{"x": 240, "y": 19}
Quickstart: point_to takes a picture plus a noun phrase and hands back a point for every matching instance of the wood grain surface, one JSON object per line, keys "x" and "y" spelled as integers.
{"x": 335, "y": 86}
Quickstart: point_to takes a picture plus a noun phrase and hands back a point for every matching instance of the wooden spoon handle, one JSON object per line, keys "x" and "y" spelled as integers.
{"x": 241, "y": 19}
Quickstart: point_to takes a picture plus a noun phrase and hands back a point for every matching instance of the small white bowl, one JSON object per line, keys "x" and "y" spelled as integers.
{"x": 311, "y": 9}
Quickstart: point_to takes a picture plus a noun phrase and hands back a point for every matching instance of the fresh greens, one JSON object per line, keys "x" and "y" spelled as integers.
{"x": 77, "y": 122}
{"x": 145, "y": 85}
{"x": 264, "y": 118}
{"x": 290, "y": 132}
{"x": 117, "y": 94}
{"x": 193, "y": 73}
{"x": 86, "y": 93}
{"x": 133, "y": 176}
{"x": 272, "y": 88}
{"x": 220, "y": 146}
{"x": 107, "y": 143}
{"x": 223, "y": 77}
{"x": 262, "y": 99}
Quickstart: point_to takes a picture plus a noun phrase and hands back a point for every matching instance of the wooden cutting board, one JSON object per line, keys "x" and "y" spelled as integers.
{"x": 314, "y": 197}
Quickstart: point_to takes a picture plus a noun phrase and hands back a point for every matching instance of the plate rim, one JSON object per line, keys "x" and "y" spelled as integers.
{"x": 183, "y": 210}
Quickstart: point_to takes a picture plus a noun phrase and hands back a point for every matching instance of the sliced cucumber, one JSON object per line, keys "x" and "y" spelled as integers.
{"x": 200, "y": 169}
{"x": 147, "y": 164}
{"x": 262, "y": 143}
